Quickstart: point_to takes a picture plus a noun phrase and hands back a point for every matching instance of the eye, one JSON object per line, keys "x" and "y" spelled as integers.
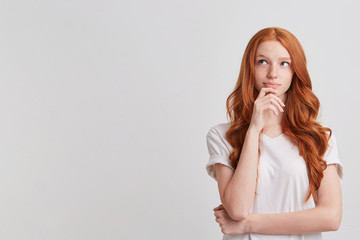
{"x": 288, "y": 64}
{"x": 261, "y": 61}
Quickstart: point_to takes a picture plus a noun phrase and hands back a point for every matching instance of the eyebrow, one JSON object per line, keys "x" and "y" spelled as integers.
{"x": 282, "y": 58}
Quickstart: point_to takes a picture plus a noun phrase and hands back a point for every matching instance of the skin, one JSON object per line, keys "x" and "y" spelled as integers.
{"x": 272, "y": 66}
{"x": 326, "y": 216}
{"x": 236, "y": 188}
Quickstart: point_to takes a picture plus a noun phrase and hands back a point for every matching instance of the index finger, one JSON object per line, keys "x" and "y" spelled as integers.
{"x": 263, "y": 91}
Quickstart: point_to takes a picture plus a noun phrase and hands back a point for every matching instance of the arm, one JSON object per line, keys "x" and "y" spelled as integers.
{"x": 237, "y": 189}
{"x": 326, "y": 216}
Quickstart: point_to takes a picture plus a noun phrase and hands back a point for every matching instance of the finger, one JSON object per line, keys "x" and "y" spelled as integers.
{"x": 219, "y": 207}
{"x": 264, "y": 91}
{"x": 275, "y": 102}
{"x": 272, "y": 108}
{"x": 217, "y": 214}
{"x": 279, "y": 100}
{"x": 221, "y": 213}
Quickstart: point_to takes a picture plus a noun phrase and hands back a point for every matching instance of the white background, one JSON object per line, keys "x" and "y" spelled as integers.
{"x": 105, "y": 106}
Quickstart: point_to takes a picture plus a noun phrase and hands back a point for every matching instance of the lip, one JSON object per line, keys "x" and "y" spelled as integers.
{"x": 272, "y": 85}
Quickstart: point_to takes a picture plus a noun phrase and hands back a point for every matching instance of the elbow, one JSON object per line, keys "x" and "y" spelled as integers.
{"x": 334, "y": 224}
{"x": 235, "y": 210}
{"x": 238, "y": 215}
{"x": 334, "y": 221}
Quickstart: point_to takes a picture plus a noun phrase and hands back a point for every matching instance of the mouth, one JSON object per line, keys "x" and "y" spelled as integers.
{"x": 271, "y": 85}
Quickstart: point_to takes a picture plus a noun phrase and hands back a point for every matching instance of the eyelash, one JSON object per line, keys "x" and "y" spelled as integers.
{"x": 265, "y": 60}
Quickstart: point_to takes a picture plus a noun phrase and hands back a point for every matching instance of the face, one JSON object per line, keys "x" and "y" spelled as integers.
{"x": 273, "y": 68}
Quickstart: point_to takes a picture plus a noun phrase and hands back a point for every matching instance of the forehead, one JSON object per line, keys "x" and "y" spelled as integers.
{"x": 272, "y": 49}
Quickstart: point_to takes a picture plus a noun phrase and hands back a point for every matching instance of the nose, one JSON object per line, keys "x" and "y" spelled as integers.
{"x": 273, "y": 72}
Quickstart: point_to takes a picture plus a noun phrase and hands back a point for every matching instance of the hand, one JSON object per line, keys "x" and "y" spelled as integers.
{"x": 266, "y": 105}
{"x": 228, "y": 226}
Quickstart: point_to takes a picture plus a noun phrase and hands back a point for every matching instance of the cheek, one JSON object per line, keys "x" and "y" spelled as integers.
{"x": 286, "y": 75}
{"x": 259, "y": 78}
{"x": 290, "y": 77}
{"x": 287, "y": 80}
{"x": 257, "y": 83}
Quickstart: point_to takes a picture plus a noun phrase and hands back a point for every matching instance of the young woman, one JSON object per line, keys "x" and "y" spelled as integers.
{"x": 277, "y": 168}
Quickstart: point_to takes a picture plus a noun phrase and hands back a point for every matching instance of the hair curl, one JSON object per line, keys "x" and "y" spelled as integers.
{"x": 299, "y": 122}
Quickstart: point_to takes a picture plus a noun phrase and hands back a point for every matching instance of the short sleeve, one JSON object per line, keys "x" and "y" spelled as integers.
{"x": 332, "y": 157}
{"x": 218, "y": 152}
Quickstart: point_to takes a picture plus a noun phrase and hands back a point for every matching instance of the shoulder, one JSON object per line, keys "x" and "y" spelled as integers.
{"x": 332, "y": 140}
{"x": 331, "y": 144}
{"x": 219, "y": 129}
{"x": 331, "y": 155}
{"x": 218, "y": 148}
{"x": 216, "y": 136}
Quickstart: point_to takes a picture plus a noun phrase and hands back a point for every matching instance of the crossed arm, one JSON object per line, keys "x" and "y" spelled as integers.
{"x": 237, "y": 199}
{"x": 326, "y": 216}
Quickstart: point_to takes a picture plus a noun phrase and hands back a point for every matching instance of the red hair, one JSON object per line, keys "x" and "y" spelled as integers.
{"x": 299, "y": 122}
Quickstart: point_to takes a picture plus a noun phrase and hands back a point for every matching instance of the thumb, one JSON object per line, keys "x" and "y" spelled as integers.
{"x": 219, "y": 207}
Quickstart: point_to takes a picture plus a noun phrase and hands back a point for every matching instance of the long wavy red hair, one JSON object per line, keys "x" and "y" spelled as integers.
{"x": 299, "y": 123}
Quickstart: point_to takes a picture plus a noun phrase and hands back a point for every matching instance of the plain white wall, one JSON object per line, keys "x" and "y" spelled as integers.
{"x": 105, "y": 106}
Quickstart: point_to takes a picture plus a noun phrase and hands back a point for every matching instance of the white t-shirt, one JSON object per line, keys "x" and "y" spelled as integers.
{"x": 283, "y": 180}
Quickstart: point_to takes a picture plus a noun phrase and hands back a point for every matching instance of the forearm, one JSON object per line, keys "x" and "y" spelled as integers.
{"x": 240, "y": 192}
{"x": 317, "y": 219}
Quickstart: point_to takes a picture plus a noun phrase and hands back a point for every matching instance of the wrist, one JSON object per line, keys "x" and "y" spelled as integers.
{"x": 250, "y": 223}
{"x": 252, "y": 130}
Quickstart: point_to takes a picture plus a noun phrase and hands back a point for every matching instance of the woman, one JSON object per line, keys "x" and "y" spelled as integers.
{"x": 277, "y": 168}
